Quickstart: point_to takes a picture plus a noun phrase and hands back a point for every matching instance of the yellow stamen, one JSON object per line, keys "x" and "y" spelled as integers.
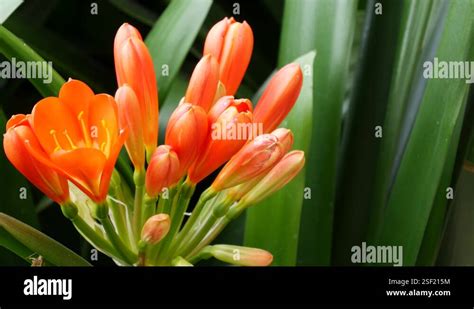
{"x": 53, "y": 133}
{"x": 85, "y": 132}
{"x": 106, "y": 147}
{"x": 69, "y": 139}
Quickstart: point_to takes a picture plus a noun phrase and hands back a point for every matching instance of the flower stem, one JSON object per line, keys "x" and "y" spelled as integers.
{"x": 177, "y": 215}
{"x": 139, "y": 179}
{"x": 124, "y": 252}
{"x": 120, "y": 220}
{"x": 205, "y": 196}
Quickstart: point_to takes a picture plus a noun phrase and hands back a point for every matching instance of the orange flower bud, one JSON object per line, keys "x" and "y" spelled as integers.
{"x": 203, "y": 84}
{"x": 130, "y": 117}
{"x": 231, "y": 43}
{"x": 242, "y": 256}
{"x": 226, "y": 115}
{"x": 285, "y": 137}
{"x": 279, "y": 97}
{"x": 156, "y": 228}
{"x": 253, "y": 160}
{"x": 163, "y": 170}
{"x": 186, "y": 133}
{"x": 134, "y": 67}
{"x": 282, "y": 173}
{"x": 16, "y": 141}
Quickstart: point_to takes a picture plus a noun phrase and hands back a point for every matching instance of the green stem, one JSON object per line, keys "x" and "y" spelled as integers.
{"x": 93, "y": 238}
{"x": 149, "y": 208}
{"x": 139, "y": 179}
{"x": 124, "y": 252}
{"x": 182, "y": 236}
{"x": 202, "y": 231}
{"x": 204, "y": 254}
{"x": 177, "y": 215}
{"x": 120, "y": 220}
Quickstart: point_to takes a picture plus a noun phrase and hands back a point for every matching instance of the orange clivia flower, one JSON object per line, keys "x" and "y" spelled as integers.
{"x": 226, "y": 113}
{"x": 186, "y": 133}
{"x": 16, "y": 141}
{"x": 283, "y": 172}
{"x": 254, "y": 159}
{"x": 79, "y": 134}
{"x": 131, "y": 118}
{"x": 279, "y": 97}
{"x": 134, "y": 66}
{"x": 231, "y": 43}
{"x": 203, "y": 84}
{"x": 163, "y": 170}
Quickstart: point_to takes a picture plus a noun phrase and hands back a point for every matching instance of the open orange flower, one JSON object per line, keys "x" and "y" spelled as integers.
{"x": 19, "y": 134}
{"x": 79, "y": 134}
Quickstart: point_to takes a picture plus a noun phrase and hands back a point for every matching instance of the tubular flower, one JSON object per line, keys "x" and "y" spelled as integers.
{"x": 156, "y": 228}
{"x": 16, "y": 141}
{"x": 130, "y": 117}
{"x": 134, "y": 66}
{"x": 163, "y": 170}
{"x": 285, "y": 137}
{"x": 228, "y": 117}
{"x": 203, "y": 84}
{"x": 79, "y": 134}
{"x": 186, "y": 133}
{"x": 243, "y": 256}
{"x": 253, "y": 160}
{"x": 282, "y": 173}
{"x": 279, "y": 97}
{"x": 231, "y": 43}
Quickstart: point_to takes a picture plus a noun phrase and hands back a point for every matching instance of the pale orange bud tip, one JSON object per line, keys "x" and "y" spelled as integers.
{"x": 242, "y": 256}
{"x": 155, "y": 228}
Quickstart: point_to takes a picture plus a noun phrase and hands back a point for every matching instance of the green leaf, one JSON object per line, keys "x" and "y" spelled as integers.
{"x": 7, "y": 7}
{"x": 13, "y": 47}
{"x": 413, "y": 30}
{"x": 422, "y": 165}
{"x": 24, "y": 239}
{"x": 171, "y": 38}
{"x": 328, "y": 27}
{"x": 366, "y": 110}
{"x": 274, "y": 224}
{"x": 135, "y": 10}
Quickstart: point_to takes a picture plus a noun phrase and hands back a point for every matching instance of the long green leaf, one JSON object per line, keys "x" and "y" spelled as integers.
{"x": 359, "y": 146}
{"x": 27, "y": 237}
{"x": 7, "y": 7}
{"x": 417, "y": 181}
{"x": 171, "y": 38}
{"x": 274, "y": 224}
{"x": 13, "y": 47}
{"x": 412, "y": 30}
{"x": 328, "y": 27}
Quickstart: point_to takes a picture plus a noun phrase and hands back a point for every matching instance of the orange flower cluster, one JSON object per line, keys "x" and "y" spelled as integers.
{"x": 77, "y": 136}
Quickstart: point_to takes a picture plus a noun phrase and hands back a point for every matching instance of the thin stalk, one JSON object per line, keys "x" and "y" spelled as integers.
{"x": 124, "y": 252}
{"x": 149, "y": 209}
{"x": 177, "y": 215}
{"x": 182, "y": 236}
{"x": 139, "y": 179}
{"x": 120, "y": 220}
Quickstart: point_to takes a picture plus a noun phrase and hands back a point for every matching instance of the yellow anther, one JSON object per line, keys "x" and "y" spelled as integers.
{"x": 53, "y": 133}
{"x": 85, "y": 132}
{"x": 69, "y": 139}
{"x": 107, "y": 140}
